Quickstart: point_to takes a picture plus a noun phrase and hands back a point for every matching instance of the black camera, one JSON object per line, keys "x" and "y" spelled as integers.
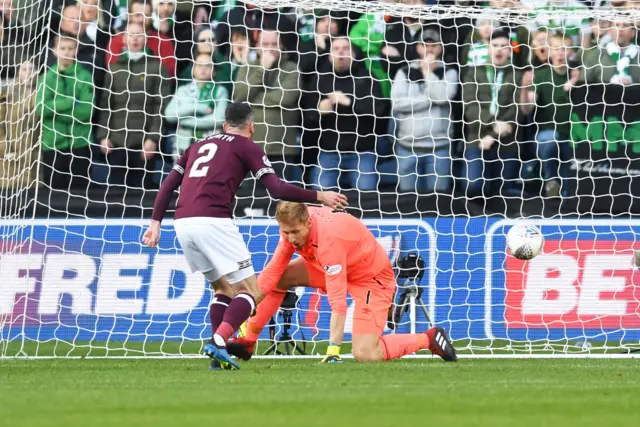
{"x": 411, "y": 267}
{"x": 410, "y": 271}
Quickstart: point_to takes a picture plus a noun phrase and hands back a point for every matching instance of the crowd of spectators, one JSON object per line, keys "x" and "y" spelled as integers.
{"x": 116, "y": 90}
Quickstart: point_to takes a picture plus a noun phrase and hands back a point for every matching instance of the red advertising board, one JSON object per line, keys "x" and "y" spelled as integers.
{"x": 575, "y": 284}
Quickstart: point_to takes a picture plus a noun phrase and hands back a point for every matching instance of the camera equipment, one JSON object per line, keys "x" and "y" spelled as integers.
{"x": 286, "y": 310}
{"x": 410, "y": 271}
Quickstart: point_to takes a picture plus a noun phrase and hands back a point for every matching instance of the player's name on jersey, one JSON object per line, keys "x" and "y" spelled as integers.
{"x": 223, "y": 136}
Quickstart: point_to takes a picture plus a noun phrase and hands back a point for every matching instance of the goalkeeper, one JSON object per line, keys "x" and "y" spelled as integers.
{"x": 338, "y": 255}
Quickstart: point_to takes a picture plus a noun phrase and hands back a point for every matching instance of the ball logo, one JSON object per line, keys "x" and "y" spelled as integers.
{"x": 532, "y": 231}
{"x": 333, "y": 270}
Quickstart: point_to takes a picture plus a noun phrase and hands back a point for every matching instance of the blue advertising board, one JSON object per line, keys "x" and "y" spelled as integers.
{"x": 93, "y": 280}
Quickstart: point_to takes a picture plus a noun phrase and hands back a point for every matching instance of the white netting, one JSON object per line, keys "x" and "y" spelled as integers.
{"x": 445, "y": 123}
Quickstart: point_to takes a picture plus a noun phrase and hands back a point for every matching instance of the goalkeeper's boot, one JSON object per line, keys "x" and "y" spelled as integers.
{"x": 440, "y": 344}
{"x": 241, "y": 348}
{"x": 220, "y": 354}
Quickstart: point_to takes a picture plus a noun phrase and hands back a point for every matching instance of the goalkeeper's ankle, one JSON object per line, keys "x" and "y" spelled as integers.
{"x": 431, "y": 334}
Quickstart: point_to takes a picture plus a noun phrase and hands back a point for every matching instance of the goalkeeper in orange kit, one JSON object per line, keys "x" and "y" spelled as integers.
{"x": 338, "y": 255}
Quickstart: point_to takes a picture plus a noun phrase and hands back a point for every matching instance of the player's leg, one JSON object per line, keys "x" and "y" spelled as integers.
{"x": 245, "y": 286}
{"x": 215, "y": 246}
{"x": 224, "y": 294}
{"x": 369, "y": 319}
{"x": 296, "y": 274}
{"x": 198, "y": 260}
{"x": 370, "y": 346}
{"x": 188, "y": 235}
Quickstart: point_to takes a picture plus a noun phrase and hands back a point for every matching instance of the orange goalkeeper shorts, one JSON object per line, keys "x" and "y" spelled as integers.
{"x": 373, "y": 299}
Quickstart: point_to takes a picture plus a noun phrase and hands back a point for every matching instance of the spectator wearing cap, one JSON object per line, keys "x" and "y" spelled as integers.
{"x": 490, "y": 95}
{"x": 421, "y": 96}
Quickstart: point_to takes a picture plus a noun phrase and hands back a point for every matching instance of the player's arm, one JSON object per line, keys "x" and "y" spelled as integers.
{"x": 260, "y": 166}
{"x": 334, "y": 262}
{"x": 161, "y": 204}
{"x": 275, "y": 268}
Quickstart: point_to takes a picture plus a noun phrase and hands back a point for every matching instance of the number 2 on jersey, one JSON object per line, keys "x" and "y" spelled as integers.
{"x": 206, "y": 153}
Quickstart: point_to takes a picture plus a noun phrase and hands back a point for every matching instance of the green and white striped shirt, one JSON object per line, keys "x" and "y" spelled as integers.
{"x": 572, "y": 26}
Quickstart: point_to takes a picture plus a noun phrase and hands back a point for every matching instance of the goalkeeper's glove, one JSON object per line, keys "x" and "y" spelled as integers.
{"x": 333, "y": 354}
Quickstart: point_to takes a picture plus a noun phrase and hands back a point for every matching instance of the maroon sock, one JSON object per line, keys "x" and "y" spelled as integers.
{"x": 238, "y": 312}
{"x": 218, "y": 307}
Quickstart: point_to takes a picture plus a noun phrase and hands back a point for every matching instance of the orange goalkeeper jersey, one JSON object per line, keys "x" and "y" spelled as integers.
{"x": 341, "y": 247}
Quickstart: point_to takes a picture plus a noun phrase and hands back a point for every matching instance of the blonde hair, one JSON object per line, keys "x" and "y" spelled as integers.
{"x": 289, "y": 212}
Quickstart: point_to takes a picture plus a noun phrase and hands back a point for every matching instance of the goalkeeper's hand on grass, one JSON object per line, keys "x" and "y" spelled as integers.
{"x": 333, "y": 355}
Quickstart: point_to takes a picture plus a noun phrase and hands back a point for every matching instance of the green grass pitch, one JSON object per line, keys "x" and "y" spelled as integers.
{"x": 298, "y": 393}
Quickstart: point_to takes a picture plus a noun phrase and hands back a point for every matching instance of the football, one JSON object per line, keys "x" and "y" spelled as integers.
{"x": 524, "y": 241}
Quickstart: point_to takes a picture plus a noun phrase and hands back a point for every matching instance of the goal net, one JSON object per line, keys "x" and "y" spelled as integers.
{"x": 444, "y": 124}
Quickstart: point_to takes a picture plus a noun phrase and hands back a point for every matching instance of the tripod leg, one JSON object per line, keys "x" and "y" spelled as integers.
{"x": 426, "y": 312}
{"x": 299, "y": 350}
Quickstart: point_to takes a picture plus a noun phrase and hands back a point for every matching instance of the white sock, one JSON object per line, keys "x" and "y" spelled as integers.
{"x": 219, "y": 341}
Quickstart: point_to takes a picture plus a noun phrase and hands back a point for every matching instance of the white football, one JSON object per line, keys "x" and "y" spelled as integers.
{"x": 524, "y": 241}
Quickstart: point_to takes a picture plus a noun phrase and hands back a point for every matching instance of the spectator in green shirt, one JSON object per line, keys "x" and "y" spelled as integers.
{"x": 65, "y": 105}
{"x": 198, "y": 107}
{"x": 546, "y": 91}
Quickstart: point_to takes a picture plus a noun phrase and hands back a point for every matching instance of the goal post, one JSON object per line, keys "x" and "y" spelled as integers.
{"x": 96, "y": 110}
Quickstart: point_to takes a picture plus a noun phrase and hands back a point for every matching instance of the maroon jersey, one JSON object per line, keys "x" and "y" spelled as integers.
{"x": 213, "y": 170}
{"x": 210, "y": 173}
